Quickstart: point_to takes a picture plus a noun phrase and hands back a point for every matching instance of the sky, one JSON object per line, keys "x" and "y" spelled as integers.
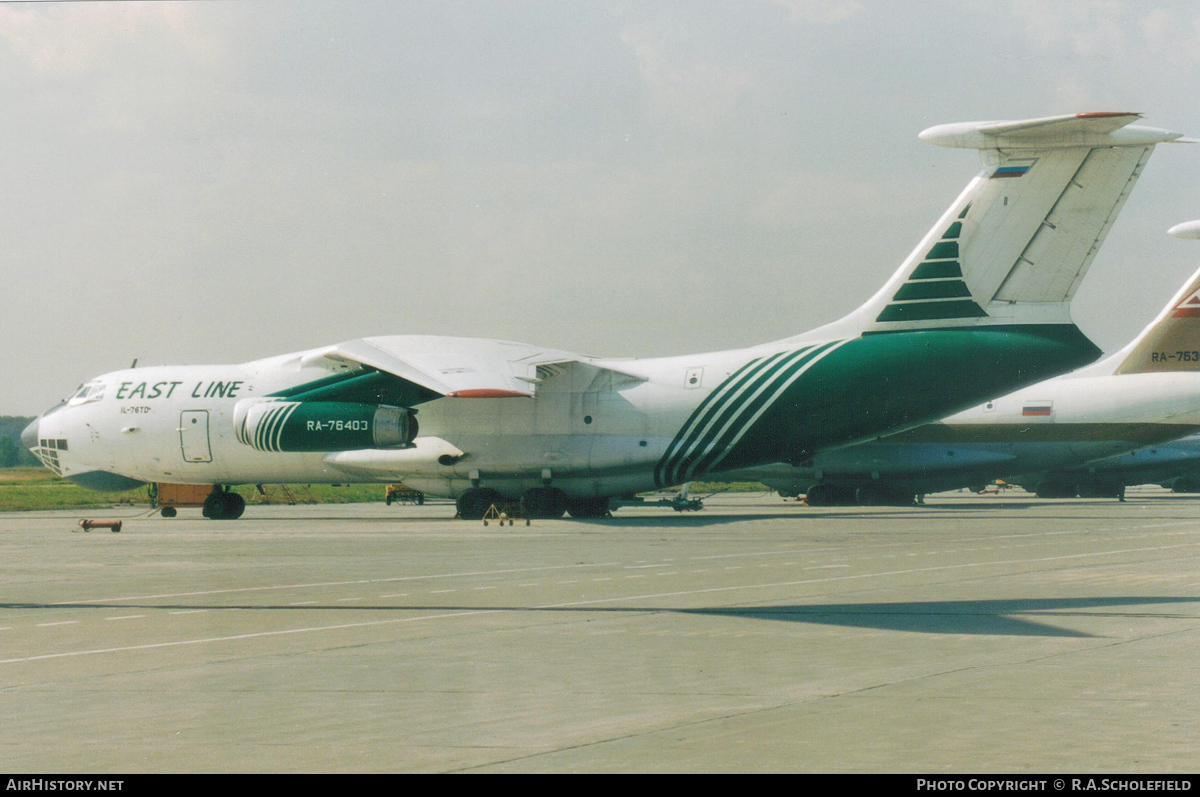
{"x": 215, "y": 182}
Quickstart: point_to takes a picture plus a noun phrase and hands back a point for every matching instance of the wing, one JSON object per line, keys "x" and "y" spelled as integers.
{"x": 407, "y": 370}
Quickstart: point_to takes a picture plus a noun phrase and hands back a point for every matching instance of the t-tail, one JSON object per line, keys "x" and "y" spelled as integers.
{"x": 1017, "y": 242}
{"x": 980, "y": 308}
{"x": 1172, "y": 341}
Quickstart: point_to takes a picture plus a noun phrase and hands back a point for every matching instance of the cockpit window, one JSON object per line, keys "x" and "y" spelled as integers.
{"x": 92, "y": 391}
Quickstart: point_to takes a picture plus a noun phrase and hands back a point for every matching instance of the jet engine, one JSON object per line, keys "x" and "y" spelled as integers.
{"x": 322, "y": 425}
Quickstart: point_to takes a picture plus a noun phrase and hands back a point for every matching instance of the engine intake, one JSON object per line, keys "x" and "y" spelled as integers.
{"x": 322, "y": 425}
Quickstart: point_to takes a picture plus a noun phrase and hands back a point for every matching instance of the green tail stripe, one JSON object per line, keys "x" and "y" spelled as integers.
{"x": 931, "y": 311}
{"x": 943, "y": 249}
{"x": 940, "y": 269}
{"x": 953, "y": 230}
{"x": 949, "y": 289}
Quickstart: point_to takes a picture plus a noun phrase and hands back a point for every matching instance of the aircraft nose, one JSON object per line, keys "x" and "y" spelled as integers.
{"x": 29, "y": 436}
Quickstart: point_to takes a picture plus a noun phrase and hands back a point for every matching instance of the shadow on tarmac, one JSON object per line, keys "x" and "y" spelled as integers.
{"x": 987, "y": 617}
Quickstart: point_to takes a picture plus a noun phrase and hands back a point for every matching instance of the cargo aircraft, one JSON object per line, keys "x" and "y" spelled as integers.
{"x": 980, "y": 306}
{"x": 1175, "y": 464}
{"x": 1086, "y": 433}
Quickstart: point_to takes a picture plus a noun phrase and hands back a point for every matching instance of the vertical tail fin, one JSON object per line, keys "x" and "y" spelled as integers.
{"x": 1014, "y": 246}
{"x": 1172, "y": 341}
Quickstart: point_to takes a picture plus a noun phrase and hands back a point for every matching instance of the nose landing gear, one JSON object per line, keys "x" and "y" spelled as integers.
{"x": 223, "y": 504}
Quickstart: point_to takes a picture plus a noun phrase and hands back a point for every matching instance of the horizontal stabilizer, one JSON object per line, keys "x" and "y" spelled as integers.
{"x": 1096, "y": 129}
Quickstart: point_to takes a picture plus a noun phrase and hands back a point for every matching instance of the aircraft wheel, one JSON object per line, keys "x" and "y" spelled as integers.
{"x": 214, "y": 506}
{"x": 1186, "y": 484}
{"x": 818, "y": 495}
{"x": 235, "y": 505}
{"x": 1049, "y": 489}
{"x": 587, "y": 507}
{"x": 829, "y": 495}
{"x": 168, "y": 511}
{"x": 544, "y": 502}
{"x": 474, "y": 503}
{"x": 224, "y": 506}
{"x": 869, "y": 496}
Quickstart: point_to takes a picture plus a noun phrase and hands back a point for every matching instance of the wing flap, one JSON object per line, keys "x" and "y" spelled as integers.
{"x": 452, "y": 367}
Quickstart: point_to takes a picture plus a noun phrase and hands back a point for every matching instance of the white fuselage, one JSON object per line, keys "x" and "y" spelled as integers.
{"x": 176, "y": 424}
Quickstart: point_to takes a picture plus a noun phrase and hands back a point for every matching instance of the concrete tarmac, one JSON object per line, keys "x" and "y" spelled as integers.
{"x": 977, "y": 634}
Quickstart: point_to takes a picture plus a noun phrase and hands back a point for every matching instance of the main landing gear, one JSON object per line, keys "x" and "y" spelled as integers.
{"x": 223, "y": 504}
{"x": 538, "y": 503}
{"x": 833, "y": 494}
{"x": 473, "y": 504}
{"x": 544, "y": 502}
{"x": 588, "y": 507}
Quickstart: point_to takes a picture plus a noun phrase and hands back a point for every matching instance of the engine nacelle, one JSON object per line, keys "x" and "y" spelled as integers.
{"x": 322, "y": 425}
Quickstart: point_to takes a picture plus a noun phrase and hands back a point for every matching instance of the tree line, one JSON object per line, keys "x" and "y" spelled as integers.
{"x": 12, "y": 453}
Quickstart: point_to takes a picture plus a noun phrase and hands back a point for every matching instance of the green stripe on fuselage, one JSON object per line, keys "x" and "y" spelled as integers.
{"x": 887, "y": 380}
{"x": 735, "y": 408}
{"x": 702, "y": 414}
{"x": 746, "y": 378}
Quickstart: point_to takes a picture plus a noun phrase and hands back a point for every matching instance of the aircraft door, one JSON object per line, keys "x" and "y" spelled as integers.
{"x": 193, "y": 436}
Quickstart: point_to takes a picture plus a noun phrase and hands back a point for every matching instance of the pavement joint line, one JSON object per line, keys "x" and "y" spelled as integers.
{"x": 239, "y": 637}
{"x": 391, "y": 579}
